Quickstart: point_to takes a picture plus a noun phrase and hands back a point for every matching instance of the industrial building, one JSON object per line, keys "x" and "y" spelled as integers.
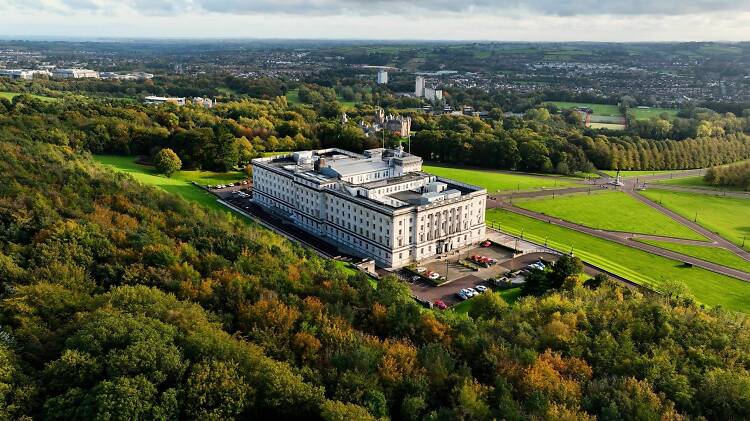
{"x": 377, "y": 205}
{"x": 75, "y": 73}
{"x": 163, "y": 100}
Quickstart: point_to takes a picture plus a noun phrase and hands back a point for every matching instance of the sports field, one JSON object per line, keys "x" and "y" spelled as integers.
{"x": 647, "y": 113}
{"x": 608, "y": 126}
{"x": 599, "y": 109}
{"x": 727, "y": 216}
{"x": 638, "y": 266}
{"x": 179, "y": 183}
{"x": 710, "y": 254}
{"x": 495, "y": 181}
{"x": 610, "y": 211}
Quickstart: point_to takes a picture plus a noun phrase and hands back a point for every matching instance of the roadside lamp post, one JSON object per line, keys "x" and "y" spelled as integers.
{"x": 743, "y": 240}
{"x": 696, "y": 217}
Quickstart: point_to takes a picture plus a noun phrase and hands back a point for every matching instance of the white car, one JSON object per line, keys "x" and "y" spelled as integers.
{"x": 434, "y": 276}
{"x": 421, "y": 270}
{"x": 480, "y": 288}
{"x": 473, "y": 291}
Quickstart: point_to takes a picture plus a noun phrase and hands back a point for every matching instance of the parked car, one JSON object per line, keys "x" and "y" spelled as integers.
{"x": 486, "y": 244}
{"x": 415, "y": 278}
{"x": 434, "y": 276}
{"x": 421, "y": 270}
{"x": 440, "y": 304}
{"x": 473, "y": 291}
{"x": 468, "y": 292}
{"x": 480, "y": 288}
{"x": 462, "y": 296}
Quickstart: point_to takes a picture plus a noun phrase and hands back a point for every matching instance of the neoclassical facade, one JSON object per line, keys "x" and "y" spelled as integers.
{"x": 378, "y": 205}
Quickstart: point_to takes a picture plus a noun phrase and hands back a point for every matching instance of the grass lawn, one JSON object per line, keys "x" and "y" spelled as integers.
{"x": 611, "y": 211}
{"x": 647, "y": 113}
{"x": 727, "y": 216}
{"x": 710, "y": 254}
{"x": 696, "y": 182}
{"x": 495, "y": 181}
{"x": 638, "y": 266}
{"x": 510, "y": 296}
{"x": 609, "y": 126}
{"x": 292, "y": 97}
{"x": 11, "y": 95}
{"x": 599, "y": 109}
{"x": 639, "y": 173}
{"x": 178, "y": 184}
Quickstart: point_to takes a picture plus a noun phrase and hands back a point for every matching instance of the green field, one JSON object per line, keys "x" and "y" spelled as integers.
{"x": 608, "y": 126}
{"x": 611, "y": 211}
{"x": 696, "y": 183}
{"x": 727, "y": 216}
{"x": 510, "y": 296}
{"x": 638, "y": 266}
{"x": 495, "y": 181}
{"x": 639, "y": 173}
{"x": 599, "y": 109}
{"x": 648, "y": 113}
{"x": 292, "y": 97}
{"x": 710, "y": 254}
{"x": 11, "y": 95}
{"x": 179, "y": 183}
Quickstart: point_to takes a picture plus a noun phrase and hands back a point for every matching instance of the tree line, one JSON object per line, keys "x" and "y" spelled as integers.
{"x": 735, "y": 175}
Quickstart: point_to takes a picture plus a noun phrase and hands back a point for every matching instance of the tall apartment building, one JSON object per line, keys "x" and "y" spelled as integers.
{"x": 419, "y": 87}
{"x": 433, "y": 94}
{"x": 378, "y": 205}
{"x": 382, "y": 77}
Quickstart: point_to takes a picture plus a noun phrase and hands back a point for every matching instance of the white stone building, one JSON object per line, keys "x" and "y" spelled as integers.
{"x": 75, "y": 73}
{"x": 378, "y": 205}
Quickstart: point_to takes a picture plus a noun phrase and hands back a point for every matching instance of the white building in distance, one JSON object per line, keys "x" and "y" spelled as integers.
{"x": 377, "y": 205}
{"x": 22, "y": 73}
{"x": 75, "y": 73}
{"x": 419, "y": 87}
{"x": 433, "y": 94}
{"x": 163, "y": 100}
{"x": 382, "y": 77}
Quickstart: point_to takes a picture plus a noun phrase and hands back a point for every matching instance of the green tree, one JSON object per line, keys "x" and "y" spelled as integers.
{"x": 167, "y": 162}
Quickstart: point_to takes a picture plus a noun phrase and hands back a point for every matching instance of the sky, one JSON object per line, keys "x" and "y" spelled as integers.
{"x": 492, "y": 20}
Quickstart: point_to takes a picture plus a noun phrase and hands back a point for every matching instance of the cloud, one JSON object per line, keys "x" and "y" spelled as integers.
{"x": 392, "y": 7}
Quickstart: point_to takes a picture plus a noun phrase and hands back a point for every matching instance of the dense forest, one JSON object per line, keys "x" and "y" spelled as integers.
{"x": 123, "y": 302}
{"x": 234, "y": 132}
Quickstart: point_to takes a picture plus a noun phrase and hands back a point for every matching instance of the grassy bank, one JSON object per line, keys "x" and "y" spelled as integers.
{"x": 495, "y": 181}
{"x": 611, "y": 211}
{"x": 638, "y": 266}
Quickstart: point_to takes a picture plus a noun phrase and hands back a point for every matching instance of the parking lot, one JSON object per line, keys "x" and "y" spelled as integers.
{"x": 461, "y": 277}
{"x": 452, "y": 270}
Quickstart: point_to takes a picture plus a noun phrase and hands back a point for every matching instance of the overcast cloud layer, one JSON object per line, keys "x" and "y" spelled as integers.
{"x": 380, "y": 7}
{"x": 609, "y": 20}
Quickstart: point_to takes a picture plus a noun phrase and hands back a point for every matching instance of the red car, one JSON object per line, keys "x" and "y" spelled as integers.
{"x": 486, "y": 244}
{"x": 440, "y": 304}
